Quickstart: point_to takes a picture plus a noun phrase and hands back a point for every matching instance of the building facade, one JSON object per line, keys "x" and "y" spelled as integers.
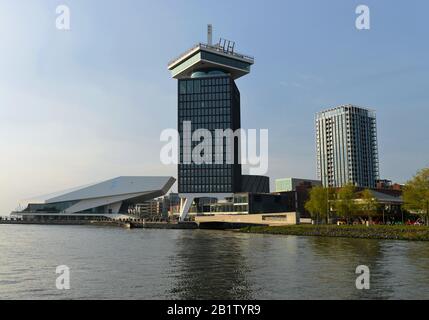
{"x": 148, "y": 210}
{"x": 346, "y": 146}
{"x": 291, "y": 184}
{"x": 210, "y": 101}
{"x": 246, "y": 203}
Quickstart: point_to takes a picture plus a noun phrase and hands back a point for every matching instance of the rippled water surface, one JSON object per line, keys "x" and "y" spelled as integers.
{"x": 114, "y": 263}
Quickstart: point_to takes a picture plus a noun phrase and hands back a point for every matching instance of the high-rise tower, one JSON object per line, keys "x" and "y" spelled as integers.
{"x": 347, "y": 149}
{"x": 208, "y": 98}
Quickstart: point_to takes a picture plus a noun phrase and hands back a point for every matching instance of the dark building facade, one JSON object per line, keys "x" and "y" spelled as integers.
{"x": 210, "y": 102}
{"x": 255, "y": 184}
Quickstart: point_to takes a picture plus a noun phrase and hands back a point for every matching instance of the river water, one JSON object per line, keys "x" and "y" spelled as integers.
{"x": 115, "y": 263}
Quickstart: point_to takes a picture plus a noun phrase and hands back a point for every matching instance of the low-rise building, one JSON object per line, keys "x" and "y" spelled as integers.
{"x": 291, "y": 184}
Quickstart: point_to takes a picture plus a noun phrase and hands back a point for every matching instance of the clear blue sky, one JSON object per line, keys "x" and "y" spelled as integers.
{"x": 89, "y": 104}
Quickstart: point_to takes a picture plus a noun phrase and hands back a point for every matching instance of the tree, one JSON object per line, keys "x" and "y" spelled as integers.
{"x": 345, "y": 204}
{"x": 416, "y": 194}
{"x": 369, "y": 204}
{"x": 318, "y": 205}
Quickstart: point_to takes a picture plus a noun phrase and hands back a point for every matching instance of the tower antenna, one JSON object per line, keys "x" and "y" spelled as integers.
{"x": 209, "y": 34}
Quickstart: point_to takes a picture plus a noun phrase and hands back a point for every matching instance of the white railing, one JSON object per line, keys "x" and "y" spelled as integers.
{"x": 214, "y": 48}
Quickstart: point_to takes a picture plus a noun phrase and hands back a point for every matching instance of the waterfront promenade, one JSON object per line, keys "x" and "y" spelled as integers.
{"x": 124, "y": 223}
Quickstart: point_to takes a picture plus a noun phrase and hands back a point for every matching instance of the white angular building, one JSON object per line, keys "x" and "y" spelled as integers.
{"x": 110, "y": 198}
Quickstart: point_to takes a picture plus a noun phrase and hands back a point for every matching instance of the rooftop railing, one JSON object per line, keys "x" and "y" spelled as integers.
{"x": 216, "y": 48}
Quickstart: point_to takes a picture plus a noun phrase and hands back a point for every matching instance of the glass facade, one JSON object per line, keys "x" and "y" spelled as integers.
{"x": 208, "y": 102}
{"x": 247, "y": 203}
{"x": 50, "y": 207}
{"x": 225, "y": 61}
{"x": 59, "y": 207}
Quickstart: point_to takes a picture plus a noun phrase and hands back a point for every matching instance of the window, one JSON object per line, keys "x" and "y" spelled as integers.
{"x": 182, "y": 87}
{"x": 189, "y": 87}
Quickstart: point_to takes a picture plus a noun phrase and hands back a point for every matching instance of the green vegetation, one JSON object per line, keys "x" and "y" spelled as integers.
{"x": 369, "y": 206}
{"x": 416, "y": 194}
{"x": 416, "y": 233}
{"x": 318, "y": 204}
{"x": 345, "y": 204}
{"x": 350, "y": 205}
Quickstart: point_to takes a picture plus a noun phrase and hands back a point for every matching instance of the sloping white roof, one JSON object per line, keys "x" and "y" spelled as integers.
{"x": 42, "y": 198}
{"x": 117, "y": 186}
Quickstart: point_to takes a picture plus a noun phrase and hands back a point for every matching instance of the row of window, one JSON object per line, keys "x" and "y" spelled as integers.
{"x": 193, "y": 86}
{"x": 205, "y": 97}
{"x": 217, "y": 137}
{"x": 229, "y": 208}
{"x": 204, "y": 111}
{"x": 204, "y": 89}
{"x": 205, "y": 188}
{"x": 209, "y": 126}
{"x": 210, "y": 166}
{"x": 214, "y": 81}
{"x": 220, "y": 150}
{"x": 206, "y": 172}
{"x": 223, "y": 161}
{"x": 205, "y": 180}
{"x": 215, "y": 143}
{"x": 207, "y": 119}
{"x": 205, "y": 104}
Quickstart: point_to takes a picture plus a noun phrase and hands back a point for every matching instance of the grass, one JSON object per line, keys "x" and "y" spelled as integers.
{"x": 414, "y": 233}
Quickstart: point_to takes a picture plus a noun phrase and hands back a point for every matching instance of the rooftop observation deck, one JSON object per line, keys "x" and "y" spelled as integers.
{"x": 203, "y": 56}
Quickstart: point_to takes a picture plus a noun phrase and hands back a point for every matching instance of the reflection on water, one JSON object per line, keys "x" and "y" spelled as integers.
{"x": 338, "y": 259}
{"x": 210, "y": 266}
{"x": 113, "y": 263}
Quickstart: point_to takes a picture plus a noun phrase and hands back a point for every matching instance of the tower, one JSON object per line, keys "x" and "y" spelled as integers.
{"x": 208, "y": 98}
{"x": 347, "y": 148}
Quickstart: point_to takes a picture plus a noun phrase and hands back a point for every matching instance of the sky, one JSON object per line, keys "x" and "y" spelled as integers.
{"x": 90, "y": 103}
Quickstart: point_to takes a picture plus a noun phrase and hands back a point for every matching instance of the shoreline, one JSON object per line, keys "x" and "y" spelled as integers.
{"x": 115, "y": 224}
{"x": 399, "y": 232}
{"x": 375, "y": 232}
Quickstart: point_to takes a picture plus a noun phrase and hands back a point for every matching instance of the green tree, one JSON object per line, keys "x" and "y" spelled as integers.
{"x": 318, "y": 204}
{"x": 416, "y": 194}
{"x": 345, "y": 204}
{"x": 369, "y": 204}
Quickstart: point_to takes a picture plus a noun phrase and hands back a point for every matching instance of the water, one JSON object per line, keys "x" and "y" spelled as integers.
{"x": 114, "y": 263}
